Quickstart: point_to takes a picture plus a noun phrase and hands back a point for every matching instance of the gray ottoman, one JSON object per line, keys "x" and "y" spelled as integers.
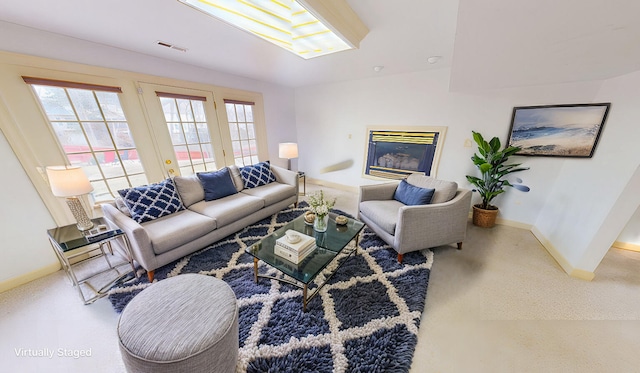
{"x": 187, "y": 323}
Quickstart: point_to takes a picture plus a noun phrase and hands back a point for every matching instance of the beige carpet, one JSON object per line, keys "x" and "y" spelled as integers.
{"x": 501, "y": 304}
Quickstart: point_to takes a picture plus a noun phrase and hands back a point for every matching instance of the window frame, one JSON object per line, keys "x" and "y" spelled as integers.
{"x": 93, "y": 89}
{"x": 27, "y": 131}
{"x": 240, "y": 142}
{"x": 221, "y": 94}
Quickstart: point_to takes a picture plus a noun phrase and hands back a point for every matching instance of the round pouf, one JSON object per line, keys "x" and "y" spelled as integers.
{"x": 187, "y": 323}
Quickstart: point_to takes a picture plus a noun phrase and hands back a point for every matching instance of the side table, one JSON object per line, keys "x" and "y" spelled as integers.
{"x": 81, "y": 257}
{"x": 302, "y": 176}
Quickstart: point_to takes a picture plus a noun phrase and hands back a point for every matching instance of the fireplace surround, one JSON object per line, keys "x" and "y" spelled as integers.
{"x": 397, "y": 153}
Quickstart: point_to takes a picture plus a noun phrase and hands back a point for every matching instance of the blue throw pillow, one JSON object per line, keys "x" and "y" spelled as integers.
{"x": 150, "y": 202}
{"x": 217, "y": 184}
{"x": 412, "y": 195}
{"x": 257, "y": 175}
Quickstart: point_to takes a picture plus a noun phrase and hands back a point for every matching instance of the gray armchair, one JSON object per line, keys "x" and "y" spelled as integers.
{"x": 412, "y": 228}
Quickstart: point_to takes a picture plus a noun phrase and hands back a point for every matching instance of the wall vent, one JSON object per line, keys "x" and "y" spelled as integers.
{"x": 169, "y": 45}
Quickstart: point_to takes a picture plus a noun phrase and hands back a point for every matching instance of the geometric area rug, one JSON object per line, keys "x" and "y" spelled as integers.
{"x": 365, "y": 319}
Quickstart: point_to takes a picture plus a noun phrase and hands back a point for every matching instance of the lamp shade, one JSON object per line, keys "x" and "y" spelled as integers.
{"x": 288, "y": 150}
{"x": 68, "y": 181}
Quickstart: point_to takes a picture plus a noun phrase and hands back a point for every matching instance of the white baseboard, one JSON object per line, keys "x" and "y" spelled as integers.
{"x": 562, "y": 261}
{"x": 346, "y": 188}
{"x": 509, "y": 223}
{"x": 28, "y": 277}
{"x": 626, "y": 246}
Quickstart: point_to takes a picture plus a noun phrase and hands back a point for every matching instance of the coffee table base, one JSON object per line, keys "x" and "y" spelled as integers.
{"x": 306, "y": 297}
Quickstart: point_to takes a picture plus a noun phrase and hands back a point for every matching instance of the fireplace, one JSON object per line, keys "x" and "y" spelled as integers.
{"x": 394, "y": 154}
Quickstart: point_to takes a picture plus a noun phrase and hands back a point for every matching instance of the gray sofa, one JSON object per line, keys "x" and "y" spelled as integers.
{"x": 158, "y": 242}
{"x": 410, "y": 228}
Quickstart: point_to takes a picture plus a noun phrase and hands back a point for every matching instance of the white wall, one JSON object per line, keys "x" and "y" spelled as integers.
{"x": 631, "y": 232}
{"x": 327, "y": 114}
{"x": 579, "y": 205}
{"x": 588, "y": 194}
{"x": 24, "y": 218}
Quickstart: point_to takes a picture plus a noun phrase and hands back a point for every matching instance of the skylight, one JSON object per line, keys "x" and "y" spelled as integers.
{"x": 285, "y": 23}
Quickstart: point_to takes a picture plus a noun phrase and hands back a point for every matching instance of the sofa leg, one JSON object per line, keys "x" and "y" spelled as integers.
{"x": 459, "y": 245}
{"x": 400, "y": 258}
{"x": 150, "y": 275}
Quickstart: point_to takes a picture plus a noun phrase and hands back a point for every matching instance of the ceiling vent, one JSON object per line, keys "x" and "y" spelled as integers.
{"x": 169, "y": 45}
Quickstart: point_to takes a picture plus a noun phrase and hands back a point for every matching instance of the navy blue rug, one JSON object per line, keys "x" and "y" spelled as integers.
{"x": 365, "y": 319}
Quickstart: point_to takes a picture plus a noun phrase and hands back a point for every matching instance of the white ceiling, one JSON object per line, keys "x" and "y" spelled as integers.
{"x": 487, "y": 44}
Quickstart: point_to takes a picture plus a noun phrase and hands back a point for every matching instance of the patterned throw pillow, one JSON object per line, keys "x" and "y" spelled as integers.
{"x": 257, "y": 175}
{"x": 150, "y": 202}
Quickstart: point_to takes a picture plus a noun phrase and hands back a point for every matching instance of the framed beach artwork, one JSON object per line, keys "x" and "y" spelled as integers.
{"x": 558, "y": 130}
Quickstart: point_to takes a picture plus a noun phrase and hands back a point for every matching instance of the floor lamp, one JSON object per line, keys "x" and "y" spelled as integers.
{"x": 71, "y": 182}
{"x": 288, "y": 150}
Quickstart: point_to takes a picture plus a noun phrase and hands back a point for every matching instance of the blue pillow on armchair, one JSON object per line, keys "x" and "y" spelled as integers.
{"x": 217, "y": 184}
{"x": 412, "y": 195}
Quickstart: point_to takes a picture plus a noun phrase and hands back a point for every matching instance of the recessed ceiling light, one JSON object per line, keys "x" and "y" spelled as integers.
{"x": 378, "y": 68}
{"x": 434, "y": 59}
{"x": 292, "y": 24}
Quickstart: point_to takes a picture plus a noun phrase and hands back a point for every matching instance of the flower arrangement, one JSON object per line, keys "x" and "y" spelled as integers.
{"x": 320, "y": 204}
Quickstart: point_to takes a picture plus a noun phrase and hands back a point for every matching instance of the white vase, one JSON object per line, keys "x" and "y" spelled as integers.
{"x": 321, "y": 223}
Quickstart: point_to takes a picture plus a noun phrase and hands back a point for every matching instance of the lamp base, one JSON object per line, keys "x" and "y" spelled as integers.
{"x": 84, "y": 223}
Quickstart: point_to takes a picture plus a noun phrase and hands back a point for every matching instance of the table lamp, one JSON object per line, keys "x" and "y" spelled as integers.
{"x": 288, "y": 150}
{"x": 71, "y": 182}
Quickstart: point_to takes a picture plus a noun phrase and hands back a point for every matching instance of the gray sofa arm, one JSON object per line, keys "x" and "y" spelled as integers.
{"x": 138, "y": 238}
{"x": 433, "y": 225}
{"x": 377, "y": 192}
{"x": 285, "y": 176}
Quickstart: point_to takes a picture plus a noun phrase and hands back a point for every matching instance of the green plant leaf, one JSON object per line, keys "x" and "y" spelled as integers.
{"x": 492, "y": 164}
{"x": 495, "y": 144}
{"x": 485, "y": 167}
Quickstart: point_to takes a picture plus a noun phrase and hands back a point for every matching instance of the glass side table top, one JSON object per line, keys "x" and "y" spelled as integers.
{"x": 70, "y": 238}
{"x": 329, "y": 245}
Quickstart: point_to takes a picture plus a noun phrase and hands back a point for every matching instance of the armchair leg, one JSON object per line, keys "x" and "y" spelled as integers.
{"x": 150, "y": 275}
{"x": 459, "y": 245}
{"x": 400, "y": 258}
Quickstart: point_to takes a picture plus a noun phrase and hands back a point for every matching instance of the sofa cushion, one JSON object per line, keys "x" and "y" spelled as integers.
{"x": 229, "y": 209}
{"x": 150, "y": 202}
{"x": 217, "y": 184}
{"x": 257, "y": 175}
{"x": 190, "y": 189}
{"x": 412, "y": 195}
{"x": 184, "y": 226}
{"x": 383, "y": 213}
{"x": 236, "y": 177}
{"x": 444, "y": 190}
{"x": 271, "y": 193}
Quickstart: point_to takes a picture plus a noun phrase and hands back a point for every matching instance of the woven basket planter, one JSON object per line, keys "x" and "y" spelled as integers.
{"x": 484, "y": 218}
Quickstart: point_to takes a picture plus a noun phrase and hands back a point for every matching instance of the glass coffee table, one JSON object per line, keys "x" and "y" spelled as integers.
{"x": 330, "y": 245}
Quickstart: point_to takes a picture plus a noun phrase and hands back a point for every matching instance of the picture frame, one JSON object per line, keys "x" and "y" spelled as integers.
{"x": 571, "y": 130}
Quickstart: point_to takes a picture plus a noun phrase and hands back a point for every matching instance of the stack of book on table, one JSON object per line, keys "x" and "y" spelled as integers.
{"x": 294, "y": 251}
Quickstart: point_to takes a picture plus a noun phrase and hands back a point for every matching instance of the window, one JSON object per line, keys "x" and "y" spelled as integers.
{"x": 93, "y": 132}
{"x": 189, "y": 132}
{"x": 243, "y": 132}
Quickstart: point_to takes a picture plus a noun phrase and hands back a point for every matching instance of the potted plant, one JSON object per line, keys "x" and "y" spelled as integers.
{"x": 492, "y": 163}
